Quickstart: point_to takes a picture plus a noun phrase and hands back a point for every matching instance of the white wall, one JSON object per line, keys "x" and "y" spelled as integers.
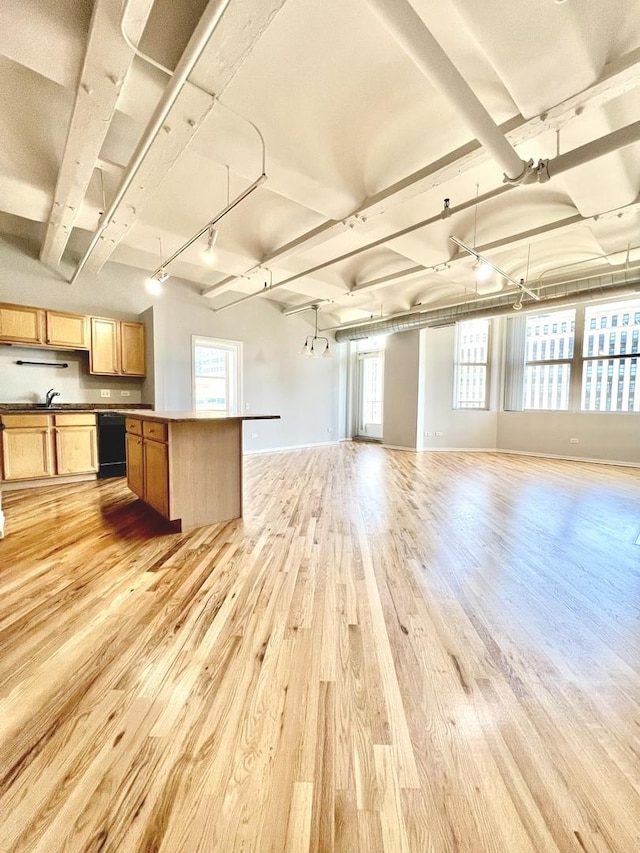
{"x": 401, "y": 390}
{"x": 460, "y": 428}
{"x": 277, "y": 380}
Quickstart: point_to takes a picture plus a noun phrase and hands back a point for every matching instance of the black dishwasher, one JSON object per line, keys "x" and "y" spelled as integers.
{"x": 112, "y": 459}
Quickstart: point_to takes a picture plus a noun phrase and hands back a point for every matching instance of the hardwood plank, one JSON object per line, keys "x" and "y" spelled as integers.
{"x": 440, "y": 657}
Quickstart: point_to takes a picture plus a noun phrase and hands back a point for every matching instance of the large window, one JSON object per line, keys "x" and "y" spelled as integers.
{"x": 549, "y": 348}
{"x": 579, "y": 359}
{"x": 472, "y": 384}
{"x": 217, "y": 374}
{"x": 610, "y": 357}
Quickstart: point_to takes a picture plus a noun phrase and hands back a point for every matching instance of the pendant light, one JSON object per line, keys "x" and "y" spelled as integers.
{"x": 316, "y": 346}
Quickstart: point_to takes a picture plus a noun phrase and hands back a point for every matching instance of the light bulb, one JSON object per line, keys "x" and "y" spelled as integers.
{"x": 154, "y": 287}
{"x": 482, "y": 270}
{"x": 327, "y": 353}
{"x": 208, "y": 253}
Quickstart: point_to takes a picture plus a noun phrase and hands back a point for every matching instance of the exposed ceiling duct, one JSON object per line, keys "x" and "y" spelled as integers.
{"x": 615, "y": 283}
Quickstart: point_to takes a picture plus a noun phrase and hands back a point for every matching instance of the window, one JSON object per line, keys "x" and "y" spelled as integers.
{"x": 547, "y": 372}
{"x": 589, "y": 365}
{"x": 471, "y": 384}
{"x": 613, "y": 360}
{"x": 217, "y": 367}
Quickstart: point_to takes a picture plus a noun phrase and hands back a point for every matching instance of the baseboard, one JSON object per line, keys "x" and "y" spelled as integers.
{"x": 588, "y": 459}
{"x": 441, "y": 449}
{"x": 15, "y": 485}
{"x": 290, "y": 447}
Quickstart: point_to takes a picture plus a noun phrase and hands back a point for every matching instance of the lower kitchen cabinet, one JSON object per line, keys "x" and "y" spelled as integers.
{"x": 148, "y": 463}
{"x": 35, "y": 447}
{"x": 76, "y": 444}
{"x": 156, "y": 476}
{"x": 27, "y": 449}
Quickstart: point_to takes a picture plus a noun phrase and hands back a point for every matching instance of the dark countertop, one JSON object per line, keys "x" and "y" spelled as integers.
{"x": 193, "y": 416}
{"x": 34, "y": 409}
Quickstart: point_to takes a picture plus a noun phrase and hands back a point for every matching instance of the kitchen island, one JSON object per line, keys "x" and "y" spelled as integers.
{"x": 187, "y": 465}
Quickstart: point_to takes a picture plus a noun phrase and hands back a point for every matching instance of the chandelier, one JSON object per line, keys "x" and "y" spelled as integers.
{"x": 316, "y": 346}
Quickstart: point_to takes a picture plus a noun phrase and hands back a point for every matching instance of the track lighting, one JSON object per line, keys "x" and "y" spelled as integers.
{"x": 517, "y": 305}
{"x": 208, "y": 253}
{"x": 154, "y": 283}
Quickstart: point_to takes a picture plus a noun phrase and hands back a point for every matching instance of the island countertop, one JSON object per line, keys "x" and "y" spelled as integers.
{"x": 191, "y": 416}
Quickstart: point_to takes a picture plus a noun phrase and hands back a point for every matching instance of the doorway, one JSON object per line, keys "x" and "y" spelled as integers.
{"x": 370, "y": 392}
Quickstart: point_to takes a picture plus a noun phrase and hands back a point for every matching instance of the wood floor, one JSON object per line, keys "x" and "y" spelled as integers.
{"x": 393, "y": 652}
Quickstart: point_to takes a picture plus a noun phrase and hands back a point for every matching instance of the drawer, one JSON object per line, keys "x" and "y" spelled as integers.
{"x": 76, "y": 419}
{"x": 151, "y": 429}
{"x": 133, "y": 426}
{"x": 25, "y": 421}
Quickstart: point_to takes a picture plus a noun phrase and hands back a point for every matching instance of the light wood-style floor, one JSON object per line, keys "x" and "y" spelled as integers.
{"x": 393, "y": 652}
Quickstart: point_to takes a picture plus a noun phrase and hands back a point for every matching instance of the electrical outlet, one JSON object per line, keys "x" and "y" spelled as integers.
{"x": 104, "y": 392}
{"x": 125, "y": 393}
{"x": 574, "y": 441}
{"x": 329, "y": 429}
{"x": 254, "y": 435}
{"x": 439, "y": 433}
{"x": 247, "y": 407}
{"x": 428, "y": 433}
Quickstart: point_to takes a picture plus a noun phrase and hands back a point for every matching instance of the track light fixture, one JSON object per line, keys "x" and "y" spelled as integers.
{"x": 316, "y": 346}
{"x": 208, "y": 253}
{"x": 517, "y": 305}
{"x": 154, "y": 283}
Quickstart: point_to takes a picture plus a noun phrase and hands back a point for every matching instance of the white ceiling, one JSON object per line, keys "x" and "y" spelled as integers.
{"x": 345, "y": 115}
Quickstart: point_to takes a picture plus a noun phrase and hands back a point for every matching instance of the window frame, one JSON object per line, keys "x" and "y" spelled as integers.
{"x": 579, "y": 361}
{"x": 234, "y": 386}
{"x": 547, "y": 362}
{"x": 486, "y": 364}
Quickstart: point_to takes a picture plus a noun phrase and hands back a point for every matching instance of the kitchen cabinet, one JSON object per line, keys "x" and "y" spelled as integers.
{"x": 148, "y": 463}
{"x": 40, "y": 446}
{"x": 191, "y": 464}
{"x": 27, "y": 449}
{"x": 117, "y": 348}
{"x": 76, "y": 443}
{"x": 22, "y": 324}
{"x": 68, "y": 331}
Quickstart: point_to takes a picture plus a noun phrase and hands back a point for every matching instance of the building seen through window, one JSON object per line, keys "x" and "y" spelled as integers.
{"x": 471, "y": 387}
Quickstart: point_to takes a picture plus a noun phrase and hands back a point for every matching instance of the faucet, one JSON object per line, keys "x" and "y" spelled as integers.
{"x": 50, "y": 395}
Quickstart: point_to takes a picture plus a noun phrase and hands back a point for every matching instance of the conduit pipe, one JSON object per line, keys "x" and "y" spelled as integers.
{"x": 197, "y": 43}
{"x": 409, "y": 30}
{"x": 494, "y": 306}
{"x": 614, "y": 141}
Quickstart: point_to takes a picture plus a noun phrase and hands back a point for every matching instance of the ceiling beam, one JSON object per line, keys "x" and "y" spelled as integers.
{"x": 230, "y": 45}
{"x": 106, "y": 64}
{"x": 618, "y": 77}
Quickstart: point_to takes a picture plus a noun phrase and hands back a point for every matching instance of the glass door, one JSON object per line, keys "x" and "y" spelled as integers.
{"x": 370, "y": 394}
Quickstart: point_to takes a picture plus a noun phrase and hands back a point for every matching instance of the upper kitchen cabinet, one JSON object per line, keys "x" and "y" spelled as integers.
{"x": 132, "y": 359}
{"x": 22, "y": 324}
{"x": 117, "y": 348}
{"x": 67, "y": 330}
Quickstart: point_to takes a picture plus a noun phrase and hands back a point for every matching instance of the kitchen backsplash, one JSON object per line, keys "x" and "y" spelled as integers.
{"x": 27, "y": 384}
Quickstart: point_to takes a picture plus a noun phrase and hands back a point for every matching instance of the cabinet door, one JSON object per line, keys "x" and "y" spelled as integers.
{"x": 76, "y": 449}
{"x": 132, "y": 361}
{"x": 21, "y": 324}
{"x": 104, "y": 346}
{"x": 156, "y": 476}
{"x": 27, "y": 454}
{"x": 67, "y": 330}
{"x": 135, "y": 476}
